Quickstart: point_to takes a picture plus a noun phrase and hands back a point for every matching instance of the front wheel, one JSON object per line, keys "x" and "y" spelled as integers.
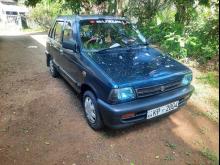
{"x": 53, "y": 71}
{"x": 91, "y": 112}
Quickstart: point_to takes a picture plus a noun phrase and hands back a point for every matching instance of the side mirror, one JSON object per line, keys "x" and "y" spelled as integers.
{"x": 70, "y": 45}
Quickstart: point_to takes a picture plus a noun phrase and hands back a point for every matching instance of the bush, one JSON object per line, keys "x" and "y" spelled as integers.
{"x": 203, "y": 43}
{"x": 198, "y": 40}
{"x": 43, "y": 14}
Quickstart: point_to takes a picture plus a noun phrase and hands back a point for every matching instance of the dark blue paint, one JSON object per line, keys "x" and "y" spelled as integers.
{"x": 137, "y": 67}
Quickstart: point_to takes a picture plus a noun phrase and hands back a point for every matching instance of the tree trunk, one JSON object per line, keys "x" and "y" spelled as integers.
{"x": 112, "y": 7}
{"x": 119, "y": 7}
{"x": 181, "y": 14}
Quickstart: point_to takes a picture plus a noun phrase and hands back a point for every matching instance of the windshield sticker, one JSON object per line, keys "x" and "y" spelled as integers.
{"x": 111, "y": 21}
{"x": 92, "y": 21}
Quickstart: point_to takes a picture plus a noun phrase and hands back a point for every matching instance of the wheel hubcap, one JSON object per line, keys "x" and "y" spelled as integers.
{"x": 51, "y": 66}
{"x": 90, "y": 110}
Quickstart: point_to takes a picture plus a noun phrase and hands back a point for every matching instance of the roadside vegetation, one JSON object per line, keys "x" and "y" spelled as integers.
{"x": 206, "y": 94}
{"x": 206, "y": 152}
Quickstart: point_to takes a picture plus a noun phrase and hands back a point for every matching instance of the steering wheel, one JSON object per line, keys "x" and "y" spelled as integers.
{"x": 95, "y": 39}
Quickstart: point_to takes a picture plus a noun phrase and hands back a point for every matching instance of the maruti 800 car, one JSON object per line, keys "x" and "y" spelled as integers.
{"x": 123, "y": 80}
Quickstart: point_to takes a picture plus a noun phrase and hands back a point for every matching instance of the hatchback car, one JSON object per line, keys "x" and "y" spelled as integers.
{"x": 122, "y": 78}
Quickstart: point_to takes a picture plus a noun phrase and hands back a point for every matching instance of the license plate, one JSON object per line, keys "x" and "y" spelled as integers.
{"x": 162, "y": 110}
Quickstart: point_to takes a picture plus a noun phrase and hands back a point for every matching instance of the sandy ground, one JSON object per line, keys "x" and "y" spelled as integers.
{"x": 41, "y": 120}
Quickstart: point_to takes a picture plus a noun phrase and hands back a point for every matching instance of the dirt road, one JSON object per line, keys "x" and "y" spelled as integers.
{"x": 41, "y": 121}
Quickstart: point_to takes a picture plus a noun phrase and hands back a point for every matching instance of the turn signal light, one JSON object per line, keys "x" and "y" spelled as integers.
{"x": 128, "y": 115}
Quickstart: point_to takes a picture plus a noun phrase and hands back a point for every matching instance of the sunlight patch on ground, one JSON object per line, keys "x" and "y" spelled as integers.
{"x": 196, "y": 131}
{"x": 40, "y": 39}
{"x": 184, "y": 129}
{"x": 12, "y": 32}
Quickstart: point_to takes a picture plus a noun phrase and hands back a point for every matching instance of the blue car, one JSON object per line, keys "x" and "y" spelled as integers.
{"x": 123, "y": 80}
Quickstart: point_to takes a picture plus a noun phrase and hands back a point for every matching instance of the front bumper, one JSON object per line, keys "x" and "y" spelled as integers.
{"x": 111, "y": 114}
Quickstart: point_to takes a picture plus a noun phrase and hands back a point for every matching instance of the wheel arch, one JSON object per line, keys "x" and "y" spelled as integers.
{"x": 87, "y": 87}
{"x": 48, "y": 56}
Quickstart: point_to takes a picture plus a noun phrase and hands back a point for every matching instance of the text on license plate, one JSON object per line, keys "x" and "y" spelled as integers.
{"x": 162, "y": 110}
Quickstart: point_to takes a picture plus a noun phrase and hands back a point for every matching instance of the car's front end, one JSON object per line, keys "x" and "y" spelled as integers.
{"x": 142, "y": 90}
{"x": 145, "y": 103}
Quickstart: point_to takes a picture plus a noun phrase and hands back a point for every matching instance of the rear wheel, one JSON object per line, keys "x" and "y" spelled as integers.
{"x": 91, "y": 112}
{"x": 53, "y": 71}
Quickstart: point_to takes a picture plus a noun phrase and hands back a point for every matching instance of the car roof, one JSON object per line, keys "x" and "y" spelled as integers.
{"x": 90, "y": 17}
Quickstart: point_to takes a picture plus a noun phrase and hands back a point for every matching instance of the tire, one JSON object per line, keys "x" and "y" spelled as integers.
{"x": 91, "y": 112}
{"x": 53, "y": 70}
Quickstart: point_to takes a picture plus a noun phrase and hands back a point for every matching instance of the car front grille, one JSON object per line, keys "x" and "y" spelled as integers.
{"x": 154, "y": 90}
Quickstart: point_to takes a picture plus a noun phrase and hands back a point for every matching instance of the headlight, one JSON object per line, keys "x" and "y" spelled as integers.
{"x": 187, "y": 79}
{"x": 121, "y": 95}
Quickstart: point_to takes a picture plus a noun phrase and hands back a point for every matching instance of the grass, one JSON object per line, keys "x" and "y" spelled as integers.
{"x": 210, "y": 78}
{"x": 206, "y": 93}
{"x": 169, "y": 157}
{"x": 171, "y": 145}
{"x": 188, "y": 153}
{"x": 215, "y": 102}
{"x": 210, "y": 155}
{"x": 33, "y": 30}
{"x": 203, "y": 130}
{"x": 213, "y": 114}
{"x": 199, "y": 142}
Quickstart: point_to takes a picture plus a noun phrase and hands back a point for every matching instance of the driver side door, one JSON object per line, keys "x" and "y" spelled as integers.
{"x": 71, "y": 61}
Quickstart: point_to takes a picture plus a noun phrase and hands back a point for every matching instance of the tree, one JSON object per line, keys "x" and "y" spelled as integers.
{"x": 73, "y": 5}
{"x": 186, "y": 10}
{"x": 145, "y": 10}
{"x": 31, "y": 3}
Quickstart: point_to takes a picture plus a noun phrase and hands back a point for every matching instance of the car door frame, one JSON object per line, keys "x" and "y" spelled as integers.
{"x": 71, "y": 65}
{"x": 55, "y": 46}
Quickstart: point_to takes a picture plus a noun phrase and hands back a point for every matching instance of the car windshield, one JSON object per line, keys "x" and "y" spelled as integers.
{"x": 107, "y": 34}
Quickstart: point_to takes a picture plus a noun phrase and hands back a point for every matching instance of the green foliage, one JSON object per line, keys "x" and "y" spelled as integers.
{"x": 146, "y": 9}
{"x": 32, "y": 3}
{"x": 171, "y": 145}
{"x": 169, "y": 157}
{"x": 73, "y": 5}
{"x": 198, "y": 40}
{"x": 210, "y": 78}
{"x": 186, "y": 10}
{"x": 210, "y": 155}
{"x": 203, "y": 43}
{"x": 44, "y": 13}
{"x": 169, "y": 36}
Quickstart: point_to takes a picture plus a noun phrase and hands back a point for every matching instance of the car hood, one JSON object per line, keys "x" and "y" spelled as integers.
{"x": 132, "y": 65}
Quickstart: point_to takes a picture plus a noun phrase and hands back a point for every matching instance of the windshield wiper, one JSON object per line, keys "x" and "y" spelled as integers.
{"x": 109, "y": 48}
{"x": 138, "y": 44}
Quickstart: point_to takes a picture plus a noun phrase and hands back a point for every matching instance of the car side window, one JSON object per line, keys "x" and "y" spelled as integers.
{"x": 57, "y": 31}
{"x": 67, "y": 32}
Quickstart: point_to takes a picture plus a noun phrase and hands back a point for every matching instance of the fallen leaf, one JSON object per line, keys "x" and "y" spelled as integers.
{"x": 157, "y": 157}
{"x": 47, "y": 143}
